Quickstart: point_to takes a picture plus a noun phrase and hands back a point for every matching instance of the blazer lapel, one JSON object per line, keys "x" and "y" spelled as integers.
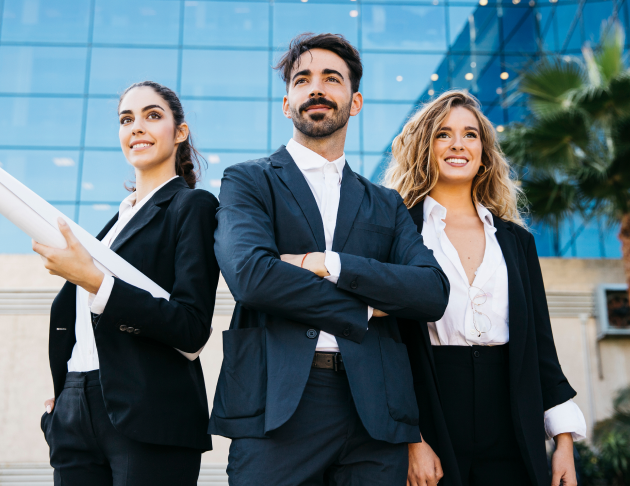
{"x": 349, "y": 203}
{"x": 295, "y": 181}
{"x": 148, "y": 212}
{"x": 516, "y": 296}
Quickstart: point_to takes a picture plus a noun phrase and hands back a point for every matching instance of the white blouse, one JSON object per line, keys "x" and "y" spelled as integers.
{"x": 457, "y": 326}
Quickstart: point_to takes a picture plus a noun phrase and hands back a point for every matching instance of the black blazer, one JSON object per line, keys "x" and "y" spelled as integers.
{"x": 536, "y": 379}
{"x": 267, "y": 209}
{"x": 152, "y": 393}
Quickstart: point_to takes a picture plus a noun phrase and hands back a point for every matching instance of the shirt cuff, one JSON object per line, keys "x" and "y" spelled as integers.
{"x": 332, "y": 262}
{"x": 563, "y": 418}
{"x": 98, "y": 302}
{"x": 370, "y": 312}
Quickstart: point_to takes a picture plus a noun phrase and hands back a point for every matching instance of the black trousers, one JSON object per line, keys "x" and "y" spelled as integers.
{"x": 323, "y": 443}
{"x": 86, "y": 449}
{"x": 474, "y": 387}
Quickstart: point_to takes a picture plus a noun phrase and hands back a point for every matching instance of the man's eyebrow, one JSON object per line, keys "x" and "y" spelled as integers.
{"x": 146, "y": 108}
{"x": 332, "y": 71}
{"x": 303, "y": 72}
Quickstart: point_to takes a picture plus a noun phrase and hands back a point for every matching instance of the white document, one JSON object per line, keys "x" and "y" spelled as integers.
{"x": 38, "y": 219}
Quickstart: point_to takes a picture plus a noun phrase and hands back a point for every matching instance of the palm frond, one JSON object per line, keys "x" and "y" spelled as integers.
{"x": 549, "y": 84}
{"x": 609, "y": 57}
{"x": 550, "y": 200}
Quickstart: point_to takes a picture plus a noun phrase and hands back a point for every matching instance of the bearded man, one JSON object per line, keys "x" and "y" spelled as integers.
{"x": 316, "y": 386}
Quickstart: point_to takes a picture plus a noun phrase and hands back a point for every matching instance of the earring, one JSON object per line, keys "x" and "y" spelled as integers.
{"x": 484, "y": 170}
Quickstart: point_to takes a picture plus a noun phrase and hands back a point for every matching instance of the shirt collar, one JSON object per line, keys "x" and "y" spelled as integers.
{"x": 307, "y": 160}
{"x": 433, "y": 208}
{"x": 129, "y": 203}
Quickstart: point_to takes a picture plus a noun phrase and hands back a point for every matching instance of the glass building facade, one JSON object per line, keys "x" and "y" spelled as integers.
{"x": 64, "y": 63}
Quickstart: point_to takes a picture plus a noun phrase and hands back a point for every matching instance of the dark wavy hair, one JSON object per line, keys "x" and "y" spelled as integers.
{"x": 336, "y": 43}
{"x": 187, "y": 159}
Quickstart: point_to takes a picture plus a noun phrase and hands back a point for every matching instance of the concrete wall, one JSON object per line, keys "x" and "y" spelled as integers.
{"x": 25, "y": 380}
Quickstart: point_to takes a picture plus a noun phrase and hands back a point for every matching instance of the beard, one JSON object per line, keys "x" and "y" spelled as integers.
{"x": 320, "y": 125}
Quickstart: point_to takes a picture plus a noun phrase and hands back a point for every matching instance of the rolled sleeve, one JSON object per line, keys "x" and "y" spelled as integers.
{"x": 98, "y": 302}
{"x": 332, "y": 262}
{"x": 565, "y": 418}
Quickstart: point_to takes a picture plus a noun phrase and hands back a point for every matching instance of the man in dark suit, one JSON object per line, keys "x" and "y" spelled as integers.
{"x": 309, "y": 390}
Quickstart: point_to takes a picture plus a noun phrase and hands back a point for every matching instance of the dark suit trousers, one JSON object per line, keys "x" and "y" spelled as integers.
{"x": 86, "y": 449}
{"x": 323, "y": 443}
{"x": 475, "y": 396}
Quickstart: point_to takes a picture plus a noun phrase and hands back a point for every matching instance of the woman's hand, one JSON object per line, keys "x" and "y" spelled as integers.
{"x": 562, "y": 464}
{"x": 49, "y": 404}
{"x": 313, "y": 262}
{"x": 74, "y": 263}
{"x": 425, "y": 468}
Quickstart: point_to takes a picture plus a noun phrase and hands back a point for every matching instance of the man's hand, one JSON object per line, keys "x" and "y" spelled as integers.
{"x": 75, "y": 263}
{"x": 425, "y": 468}
{"x": 314, "y": 262}
{"x": 562, "y": 464}
{"x": 379, "y": 313}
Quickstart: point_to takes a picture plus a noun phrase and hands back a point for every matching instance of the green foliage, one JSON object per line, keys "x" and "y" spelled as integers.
{"x": 608, "y": 461}
{"x": 575, "y": 147}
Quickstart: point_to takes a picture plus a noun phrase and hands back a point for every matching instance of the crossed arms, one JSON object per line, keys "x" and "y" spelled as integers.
{"x": 411, "y": 284}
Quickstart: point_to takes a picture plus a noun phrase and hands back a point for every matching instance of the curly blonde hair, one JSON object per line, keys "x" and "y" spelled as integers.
{"x": 413, "y": 170}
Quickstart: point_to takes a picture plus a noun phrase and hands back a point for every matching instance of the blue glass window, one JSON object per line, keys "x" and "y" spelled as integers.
{"x": 479, "y": 74}
{"x": 105, "y": 174}
{"x": 291, "y": 19}
{"x": 382, "y": 122}
{"x": 228, "y": 124}
{"x": 52, "y": 174}
{"x": 225, "y": 73}
{"x": 146, "y": 22}
{"x": 42, "y": 69}
{"x": 102, "y": 123}
{"x": 218, "y": 162}
{"x": 564, "y": 21}
{"x": 398, "y": 27}
{"x": 40, "y": 122}
{"x": 235, "y": 24}
{"x": 114, "y": 69}
{"x": 595, "y": 17}
{"x": 398, "y": 76}
{"x": 544, "y": 16}
{"x": 13, "y": 240}
{"x": 46, "y": 20}
{"x": 372, "y": 167}
{"x": 480, "y": 28}
{"x": 281, "y": 127}
{"x": 459, "y": 21}
{"x": 519, "y": 30}
{"x": 94, "y": 217}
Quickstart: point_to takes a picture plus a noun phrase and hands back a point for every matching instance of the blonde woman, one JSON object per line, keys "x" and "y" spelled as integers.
{"x": 488, "y": 382}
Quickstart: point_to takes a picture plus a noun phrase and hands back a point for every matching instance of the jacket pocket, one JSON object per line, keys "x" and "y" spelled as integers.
{"x": 375, "y": 228}
{"x": 401, "y": 397}
{"x": 242, "y": 386}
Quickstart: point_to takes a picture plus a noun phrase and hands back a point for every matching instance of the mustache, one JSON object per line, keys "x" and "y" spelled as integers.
{"x": 317, "y": 101}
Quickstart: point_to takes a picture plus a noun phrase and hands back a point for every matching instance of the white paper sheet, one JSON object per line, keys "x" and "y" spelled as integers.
{"x": 38, "y": 219}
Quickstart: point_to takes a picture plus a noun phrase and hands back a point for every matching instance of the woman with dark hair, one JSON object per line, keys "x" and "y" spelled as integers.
{"x": 129, "y": 408}
{"x": 488, "y": 382}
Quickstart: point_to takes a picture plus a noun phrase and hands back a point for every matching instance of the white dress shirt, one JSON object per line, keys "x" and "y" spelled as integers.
{"x": 456, "y": 328}
{"x": 324, "y": 179}
{"x": 84, "y": 354}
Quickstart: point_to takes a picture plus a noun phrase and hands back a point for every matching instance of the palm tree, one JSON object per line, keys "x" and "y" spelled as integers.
{"x": 576, "y": 144}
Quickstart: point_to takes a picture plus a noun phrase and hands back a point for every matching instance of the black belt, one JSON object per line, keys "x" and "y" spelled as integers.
{"x": 328, "y": 361}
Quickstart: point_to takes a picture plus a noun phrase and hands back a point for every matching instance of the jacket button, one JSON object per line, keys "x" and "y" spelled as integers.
{"x": 311, "y": 334}
{"x": 346, "y": 332}
{"x": 137, "y": 331}
{"x": 123, "y": 328}
{"x": 130, "y": 329}
{"x": 476, "y": 354}
{"x": 353, "y": 284}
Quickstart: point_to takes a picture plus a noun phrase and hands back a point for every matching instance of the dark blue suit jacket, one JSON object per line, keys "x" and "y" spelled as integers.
{"x": 267, "y": 209}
